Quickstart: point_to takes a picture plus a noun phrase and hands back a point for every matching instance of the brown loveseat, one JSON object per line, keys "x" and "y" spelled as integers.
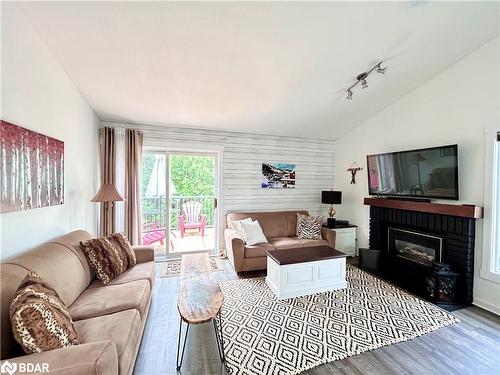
{"x": 109, "y": 319}
{"x": 280, "y": 230}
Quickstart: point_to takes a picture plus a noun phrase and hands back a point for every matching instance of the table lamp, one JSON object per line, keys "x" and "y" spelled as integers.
{"x": 331, "y": 197}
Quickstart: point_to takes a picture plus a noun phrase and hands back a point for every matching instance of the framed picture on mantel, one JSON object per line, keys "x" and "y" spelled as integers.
{"x": 32, "y": 166}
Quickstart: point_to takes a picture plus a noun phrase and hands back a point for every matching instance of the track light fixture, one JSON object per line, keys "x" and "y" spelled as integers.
{"x": 361, "y": 78}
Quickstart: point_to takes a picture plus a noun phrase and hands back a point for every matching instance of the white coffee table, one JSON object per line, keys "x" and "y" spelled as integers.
{"x": 305, "y": 270}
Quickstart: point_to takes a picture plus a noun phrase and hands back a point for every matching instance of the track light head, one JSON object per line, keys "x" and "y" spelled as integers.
{"x": 381, "y": 70}
{"x": 349, "y": 94}
{"x": 364, "y": 84}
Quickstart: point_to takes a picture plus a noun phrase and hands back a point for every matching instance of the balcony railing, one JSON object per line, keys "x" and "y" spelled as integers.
{"x": 154, "y": 209}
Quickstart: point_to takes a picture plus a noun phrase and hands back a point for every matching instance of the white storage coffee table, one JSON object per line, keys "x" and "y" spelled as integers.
{"x": 305, "y": 270}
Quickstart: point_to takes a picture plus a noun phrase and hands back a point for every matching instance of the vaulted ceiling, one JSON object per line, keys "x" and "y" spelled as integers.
{"x": 260, "y": 67}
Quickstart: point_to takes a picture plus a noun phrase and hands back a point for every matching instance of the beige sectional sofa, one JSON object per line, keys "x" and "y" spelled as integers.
{"x": 109, "y": 319}
{"x": 279, "y": 228}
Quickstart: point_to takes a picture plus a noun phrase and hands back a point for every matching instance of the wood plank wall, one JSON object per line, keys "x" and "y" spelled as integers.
{"x": 243, "y": 155}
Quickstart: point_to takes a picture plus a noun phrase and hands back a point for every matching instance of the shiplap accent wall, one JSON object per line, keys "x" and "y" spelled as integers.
{"x": 242, "y": 158}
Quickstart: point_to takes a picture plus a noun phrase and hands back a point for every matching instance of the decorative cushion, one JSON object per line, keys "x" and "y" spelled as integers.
{"x": 257, "y": 251}
{"x": 120, "y": 240}
{"x": 236, "y": 225}
{"x": 253, "y": 233}
{"x": 106, "y": 259}
{"x": 309, "y": 227}
{"x": 40, "y": 321}
{"x": 285, "y": 242}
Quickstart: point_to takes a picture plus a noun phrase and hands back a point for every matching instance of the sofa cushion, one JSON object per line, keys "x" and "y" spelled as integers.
{"x": 309, "y": 243}
{"x": 123, "y": 328}
{"x": 141, "y": 271}
{"x": 285, "y": 242}
{"x": 59, "y": 263}
{"x": 71, "y": 241}
{"x": 10, "y": 278}
{"x": 107, "y": 259}
{"x": 256, "y": 251}
{"x": 273, "y": 224}
{"x": 40, "y": 320}
{"x": 108, "y": 299}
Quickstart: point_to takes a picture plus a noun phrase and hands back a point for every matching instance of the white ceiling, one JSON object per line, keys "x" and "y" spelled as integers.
{"x": 272, "y": 68}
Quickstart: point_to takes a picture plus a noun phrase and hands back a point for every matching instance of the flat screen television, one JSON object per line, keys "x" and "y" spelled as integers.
{"x": 424, "y": 173}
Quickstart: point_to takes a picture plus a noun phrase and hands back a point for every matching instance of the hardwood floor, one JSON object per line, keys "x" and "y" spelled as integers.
{"x": 469, "y": 347}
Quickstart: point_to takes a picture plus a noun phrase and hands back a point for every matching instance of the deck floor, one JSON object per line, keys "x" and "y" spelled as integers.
{"x": 192, "y": 241}
{"x": 469, "y": 347}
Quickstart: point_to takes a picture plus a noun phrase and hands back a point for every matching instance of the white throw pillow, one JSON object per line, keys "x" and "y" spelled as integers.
{"x": 253, "y": 233}
{"x": 236, "y": 225}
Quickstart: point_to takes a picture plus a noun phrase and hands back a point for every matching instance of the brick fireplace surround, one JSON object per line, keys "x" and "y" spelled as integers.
{"x": 455, "y": 224}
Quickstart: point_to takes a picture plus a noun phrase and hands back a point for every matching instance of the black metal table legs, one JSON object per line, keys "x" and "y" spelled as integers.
{"x": 218, "y": 337}
{"x": 179, "y": 344}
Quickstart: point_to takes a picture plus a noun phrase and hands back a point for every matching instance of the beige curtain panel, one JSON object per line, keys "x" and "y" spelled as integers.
{"x": 108, "y": 176}
{"x": 133, "y": 155}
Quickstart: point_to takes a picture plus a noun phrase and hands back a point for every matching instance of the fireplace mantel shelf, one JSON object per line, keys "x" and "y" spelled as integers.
{"x": 464, "y": 210}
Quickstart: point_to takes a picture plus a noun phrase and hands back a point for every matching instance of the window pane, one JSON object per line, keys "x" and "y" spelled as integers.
{"x": 153, "y": 200}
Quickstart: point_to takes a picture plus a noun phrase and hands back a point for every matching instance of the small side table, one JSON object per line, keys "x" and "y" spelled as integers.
{"x": 345, "y": 239}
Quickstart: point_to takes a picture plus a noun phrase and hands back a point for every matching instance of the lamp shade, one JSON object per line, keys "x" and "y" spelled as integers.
{"x": 331, "y": 197}
{"x": 107, "y": 193}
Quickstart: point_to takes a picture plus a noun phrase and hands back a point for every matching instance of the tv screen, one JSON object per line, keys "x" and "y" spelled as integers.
{"x": 425, "y": 173}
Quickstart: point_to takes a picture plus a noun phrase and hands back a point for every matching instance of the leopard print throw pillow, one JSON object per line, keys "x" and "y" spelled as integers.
{"x": 40, "y": 321}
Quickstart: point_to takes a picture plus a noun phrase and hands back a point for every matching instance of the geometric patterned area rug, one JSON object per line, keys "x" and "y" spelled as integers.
{"x": 172, "y": 268}
{"x": 263, "y": 335}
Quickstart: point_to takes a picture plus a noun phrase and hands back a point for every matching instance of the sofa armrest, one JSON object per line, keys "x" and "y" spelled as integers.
{"x": 144, "y": 253}
{"x": 328, "y": 235}
{"x": 99, "y": 358}
{"x": 235, "y": 248}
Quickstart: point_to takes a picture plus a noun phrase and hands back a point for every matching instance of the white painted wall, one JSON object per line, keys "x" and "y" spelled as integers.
{"x": 453, "y": 107}
{"x": 242, "y": 158}
{"x": 37, "y": 94}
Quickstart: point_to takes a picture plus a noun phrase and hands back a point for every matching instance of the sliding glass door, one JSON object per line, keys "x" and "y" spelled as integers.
{"x": 192, "y": 202}
{"x": 179, "y": 202}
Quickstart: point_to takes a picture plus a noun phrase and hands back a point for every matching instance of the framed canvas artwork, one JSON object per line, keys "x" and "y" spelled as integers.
{"x": 278, "y": 176}
{"x": 32, "y": 169}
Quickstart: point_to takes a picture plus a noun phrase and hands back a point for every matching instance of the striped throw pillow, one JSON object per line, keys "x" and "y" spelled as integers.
{"x": 106, "y": 258}
{"x": 121, "y": 241}
{"x": 309, "y": 227}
